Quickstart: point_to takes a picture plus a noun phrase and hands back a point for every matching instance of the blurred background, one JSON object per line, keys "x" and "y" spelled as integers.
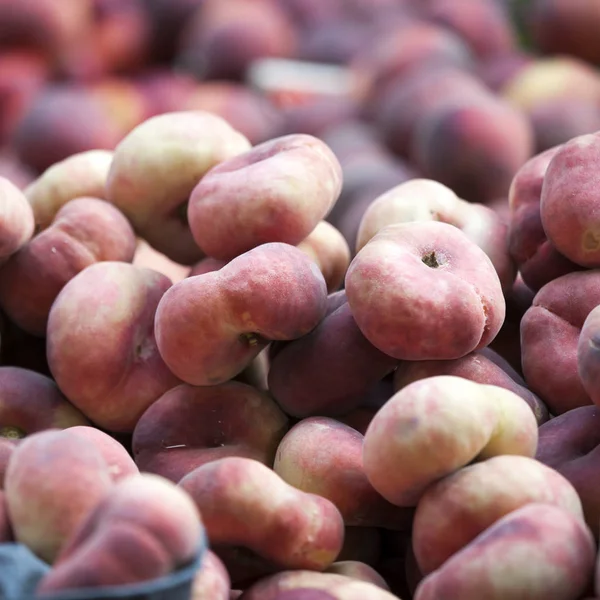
{"x": 461, "y": 91}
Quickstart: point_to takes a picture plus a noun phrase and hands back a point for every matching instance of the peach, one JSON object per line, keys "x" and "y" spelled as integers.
{"x": 308, "y": 585}
{"x": 556, "y": 548}
{"x": 497, "y": 70}
{"x": 587, "y": 355}
{"x": 147, "y": 257}
{"x": 329, "y": 249}
{"x": 477, "y": 496}
{"x": 120, "y": 464}
{"x": 14, "y": 169}
{"x": 144, "y": 528}
{"x": 157, "y": 165}
{"x": 420, "y": 92}
{"x": 329, "y": 370}
{"x": 276, "y": 192}
{"x": 359, "y": 571}
{"x": 550, "y": 331}
{"x": 16, "y": 219}
{"x": 206, "y": 265}
{"x": 437, "y": 425}
{"x": 244, "y": 503}
{"x": 567, "y": 206}
{"x": 189, "y": 426}
{"x": 428, "y": 200}
{"x": 165, "y": 90}
{"x": 272, "y": 292}
{"x": 484, "y": 25}
{"x": 82, "y": 174}
{"x": 84, "y": 231}
{"x": 322, "y": 456}
{"x": 62, "y": 121}
{"x": 212, "y": 579}
{"x": 222, "y": 39}
{"x": 424, "y": 291}
{"x": 565, "y": 27}
{"x": 244, "y": 108}
{"x": 6, "y": 533}
{"x": 482, "y": 366}
{"x": 53, "y": 481}
{"x": 101, "y": 346}
{"x": 569, "y": 444}
{"x": 536, "y": 257}
{"x": 495, "y": 139}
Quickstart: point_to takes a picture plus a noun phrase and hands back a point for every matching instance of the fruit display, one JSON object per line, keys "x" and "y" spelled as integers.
{"x": 299, "y": 300}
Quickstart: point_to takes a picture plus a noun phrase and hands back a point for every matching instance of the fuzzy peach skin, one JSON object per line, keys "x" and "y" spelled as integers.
{"x": 145, "y": 528}
{"x": 568, "y": 201}
{"x": 308, "y": 585}
{"x": 437, "y": 425}
{"x": 101, "y": 347}
{"x": 84, "y": 231}
{"x": 428, "y": 200}
{"x": 569, "y": 443}
{"x": 550, "y": 332}
{"x": 119, "y": 461}
{"x": 81, "y": 174}
{"x": 54, "y": 479}
{"x": 425, "y": 291}
{"x": 322, "y": 456}
{"x": 495, "y": 138}
{"x": 157, "y": 165}
{"x": 588, "y": 346}
{"x": 211, "y": 581}
{"x": 16, "y": 219}
{"x": 244, "y": 503}
{"x": 536, "y": 257}
{"x": 189, "y": 426}
{"x": 210, "y": 327}
{"x": 329, "y": 249}
{"x": 329, "y": 371}
{"x": 277, "y": 191}
{"x": 455, "y": 510}
{"x": 146, "y": 256}
{"x": 536, "y": 551}
{"x": 482, "y": 366}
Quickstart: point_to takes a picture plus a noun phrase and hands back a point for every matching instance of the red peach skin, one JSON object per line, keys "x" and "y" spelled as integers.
{"x": 244, "y": 503}
{"x": 536, "y": 551}
{"x": 276, "y": 192}
{"x": 425, "y": 291}
{"x": 157, "y": 165}
{"x": 189, "y": 426}
{"x": 53, "y": 481}
{"x": 16, "y": 219}
{"x": 101, "y": 348}
{"x": 428, "y": 200}
{"x": 455, "y": 510}
{"x": 568, "y": 201}
{"x": 144, "y": 529}
{"x": 323, "y": 456}
{"x": 80, "y": 175}
{"x": 210, "y": 327}
{"x": 550, "y": 332}
{"x": 588, "y": 355}
{"x": 84, "y": 231}
{"x": 212, "y": 579}
{"x": 437, "y": 425}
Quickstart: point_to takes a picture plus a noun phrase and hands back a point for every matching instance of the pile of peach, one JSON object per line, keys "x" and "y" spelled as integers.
{"x": 191, "y": 351}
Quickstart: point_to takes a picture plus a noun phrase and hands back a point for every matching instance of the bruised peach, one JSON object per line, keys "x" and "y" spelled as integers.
{"x": 84, "y": 231}
{"x": 424, "y": 291}
{"x": 437, "y": 425}
{"x": 101, "y": 347}
{"x": 157, "y": 165}
{"x": 322, "y": 456}
{"x": 272, "y": 292}
{"x": 277, "y": 191}
{"x": 244, "y": 503}
{"x": 189, "y": 426}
